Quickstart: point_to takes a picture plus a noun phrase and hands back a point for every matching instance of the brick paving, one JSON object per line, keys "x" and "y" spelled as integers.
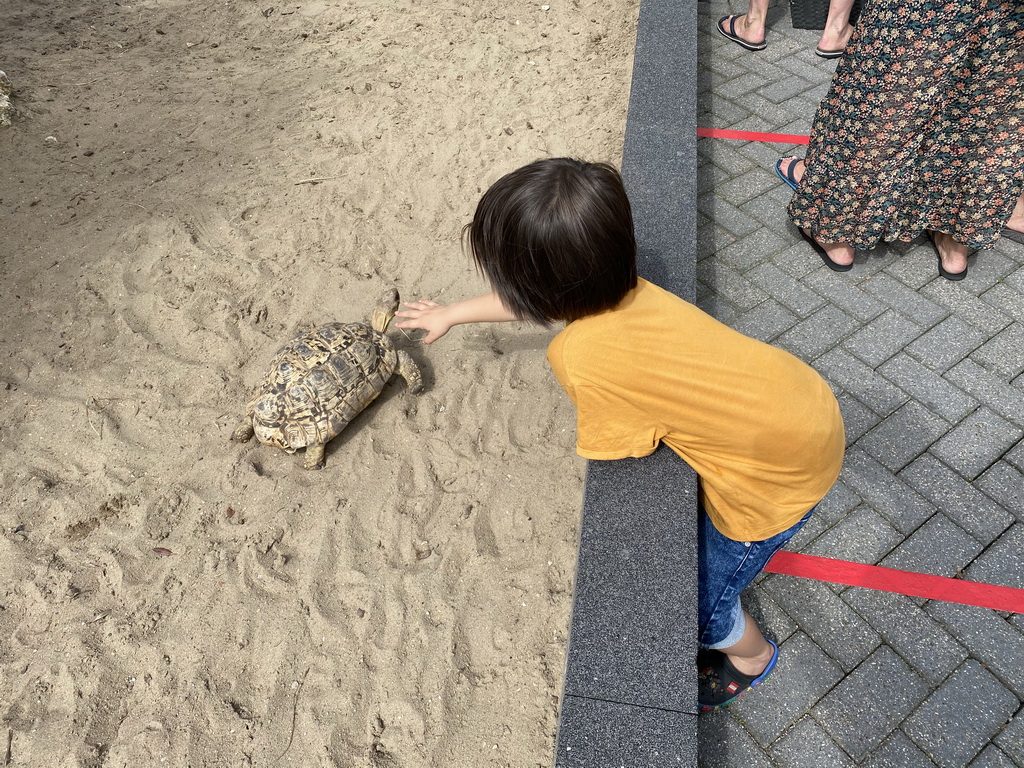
{"x": 930, "y": 378}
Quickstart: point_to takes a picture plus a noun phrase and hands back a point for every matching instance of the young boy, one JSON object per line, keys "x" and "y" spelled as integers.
{"x": 762, "y": 430}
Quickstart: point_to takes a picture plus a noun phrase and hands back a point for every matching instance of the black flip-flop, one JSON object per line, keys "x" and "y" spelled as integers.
{"x": 823, "y": 253}
{"x": 719, "y": 683}
{"x": 954, "y": 276}
{"x": 829, "y": 54}
{"x": 731, "y": 34}
{"x": 789, "y": 176}
{"x": 1012, "y": 234}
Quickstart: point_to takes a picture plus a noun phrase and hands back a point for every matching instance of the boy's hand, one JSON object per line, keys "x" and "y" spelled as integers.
{"x": 428, "y": 316}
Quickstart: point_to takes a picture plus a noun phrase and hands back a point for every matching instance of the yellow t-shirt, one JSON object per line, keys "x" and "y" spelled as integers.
{"x": 761, "y": 428}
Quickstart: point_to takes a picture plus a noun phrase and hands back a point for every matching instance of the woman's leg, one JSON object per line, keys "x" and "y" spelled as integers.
{"x": 840, "y": 253}
{"x": 750, "y": 26}
{"x": 838, "y": 29}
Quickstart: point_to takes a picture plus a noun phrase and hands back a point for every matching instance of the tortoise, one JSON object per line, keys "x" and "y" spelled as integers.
{"x": 321, "y": 379}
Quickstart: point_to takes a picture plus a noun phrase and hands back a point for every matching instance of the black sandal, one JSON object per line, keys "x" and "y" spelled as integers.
{"x": 719, "y": 683}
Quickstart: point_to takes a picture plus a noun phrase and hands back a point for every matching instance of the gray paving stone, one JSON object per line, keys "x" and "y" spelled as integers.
{"x": 960, "y": 500}
{"x": 915, "y": 267}
{"x": 841, "y": 369}
{"x": 724, "y": 155}
{"x": 749, "y": 251}
{"x": 882, "y": 338}
{"x": 741, "y": 85}
{"x": 966, "y": 304}
{"x": 960, "y": 718}
{"x": 993, "y": 757}
{"x": 838, "y": 502}
{"x": 770, "y": 210}
{"x": 939, "y": 547}
{"x": 1011, "y": 739}
{"x": 786, "y": 88}
{"x": 858, "y": 419}
{"x": 726, "y": 281}
{"x": 765, "y": 321}
{"x": 724, "y": 743}
{"x": 822, "y": 614}
{"x": 988, "y": 269}
{"x": 1015, "y": 456}
{"x": 928, "y": 388}
{"x": 907, "y": 301}
{"x": 715, "y": 305}
{"x": 869, "y": 703}
{"x": 1003, "y": 353}
{"x": 946, "y": 344}
{"x": 904, "y": 436}
{"x": 1007, "y": 300}
{"x": 785, "y": 289}
{"x": 710, "y": 239}
{"x": 901, "y": 505}
{"x": 802, "y": 262}
{"x": 808, "y": 746}
{"x": 910, "y": 631}
{"x": 898, "y": 751}
{"x": 990, "y": 638}
{"x": 803, "y": 675}
{"x": 818, "y": 333}
{"x": 863, "y": 536}
{"x": 977, "y": 442}
{"x": 846, "y": 295}
{"x": 746, "y": 186}
{"x": 726, "y": 215}
{"x": 993, "y": 390}
{"x": 1004, "y": 484}
{"x": 1003, "y": 562}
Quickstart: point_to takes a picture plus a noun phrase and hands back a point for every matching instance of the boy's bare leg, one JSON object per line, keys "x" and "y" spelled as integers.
{"x": 838, "y": 29}
{"x": 752, "y": 653}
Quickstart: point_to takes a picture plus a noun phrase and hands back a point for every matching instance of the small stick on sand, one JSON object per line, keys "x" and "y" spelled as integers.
{"x": 316, "y": 180}
{"x": 295, "y": 712}
{"x": 10, "y": 744}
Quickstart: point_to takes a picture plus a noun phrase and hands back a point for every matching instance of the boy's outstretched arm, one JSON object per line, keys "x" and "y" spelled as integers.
{"x": 437, "y": 319}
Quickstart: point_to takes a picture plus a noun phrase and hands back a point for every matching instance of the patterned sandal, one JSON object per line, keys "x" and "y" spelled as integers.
{"x": 719, "y": 683}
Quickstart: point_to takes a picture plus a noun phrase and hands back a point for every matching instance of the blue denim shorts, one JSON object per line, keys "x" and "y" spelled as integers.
{"x": 724, "y": 569}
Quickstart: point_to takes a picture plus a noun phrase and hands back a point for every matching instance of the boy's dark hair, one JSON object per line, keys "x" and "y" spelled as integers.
{"x": 555, "y": 239}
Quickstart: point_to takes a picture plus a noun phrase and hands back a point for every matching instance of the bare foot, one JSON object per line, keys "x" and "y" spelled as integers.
{"x": 798, "y": 165}
{"x": 840, "y": 254}
{"x": 952, "y": 253}
{"x": 835, "y": 39}
{"x": 1016, "y": 220}
{"x": 750, "y": 29}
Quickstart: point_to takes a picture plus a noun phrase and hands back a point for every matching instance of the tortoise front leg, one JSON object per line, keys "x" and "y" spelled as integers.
{"x": 314, "y": 457}
{"x": 409, "y": 371}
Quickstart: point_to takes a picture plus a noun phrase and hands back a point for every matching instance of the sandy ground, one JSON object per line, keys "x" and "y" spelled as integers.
{"x": 172, "y": 598}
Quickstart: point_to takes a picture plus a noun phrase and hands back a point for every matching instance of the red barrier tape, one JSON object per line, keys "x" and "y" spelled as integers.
{"x": 777, "y": 138}
{"x": 901, "y": 582}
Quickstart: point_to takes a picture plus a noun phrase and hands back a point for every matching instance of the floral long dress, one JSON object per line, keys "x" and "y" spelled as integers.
{"x": 922, "y": 128}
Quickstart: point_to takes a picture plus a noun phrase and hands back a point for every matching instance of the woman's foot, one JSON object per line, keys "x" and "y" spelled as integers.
{"x": 837, "y": 256}
{"x": 790, "y": 170}
{"x": 834, "y": 41}
{"x": 952, "y": 255}
{"x": 1016, "y": 220}
{"x": 744, "y": 31}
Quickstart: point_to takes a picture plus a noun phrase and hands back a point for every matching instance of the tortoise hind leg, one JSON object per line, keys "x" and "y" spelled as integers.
{"x": 409, "y": 371}
{"x": 314, "y": 457}
{"x": 243, "y": 432}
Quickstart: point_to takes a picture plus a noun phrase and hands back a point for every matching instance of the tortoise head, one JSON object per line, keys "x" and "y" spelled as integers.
{"x": 385, "y": 309}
